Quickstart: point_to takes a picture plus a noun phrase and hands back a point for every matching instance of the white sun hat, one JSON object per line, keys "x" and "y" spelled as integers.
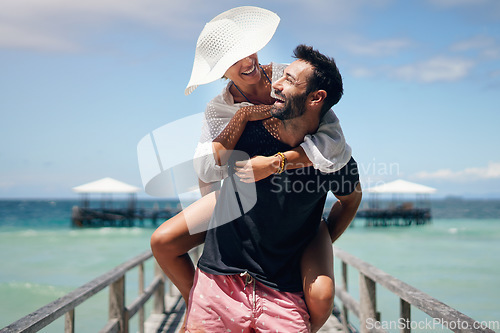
{"x": 228, "y": 38}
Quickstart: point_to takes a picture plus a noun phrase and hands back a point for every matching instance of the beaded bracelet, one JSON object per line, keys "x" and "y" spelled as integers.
{"x": 282, "y": 162}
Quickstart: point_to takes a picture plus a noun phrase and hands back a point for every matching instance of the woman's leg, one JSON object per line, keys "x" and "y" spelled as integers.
{"x": 317, "y": 277}
{"x": 175, "y": 237}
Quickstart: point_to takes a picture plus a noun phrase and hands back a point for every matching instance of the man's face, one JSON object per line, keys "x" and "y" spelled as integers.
{"x": 291, "y": 91}
{"x": 293, "y": 107}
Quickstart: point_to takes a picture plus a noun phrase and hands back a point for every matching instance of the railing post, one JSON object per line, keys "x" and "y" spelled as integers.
{"x": 368, "y": 302}
{"x": 405, "y": 315}
{"x": 117, "y": 303}
{"x": 159, "y": 295}
{"x": 141, "y": 292}
{"x": 345, "y": 313}
{"x": 69, "y": 321}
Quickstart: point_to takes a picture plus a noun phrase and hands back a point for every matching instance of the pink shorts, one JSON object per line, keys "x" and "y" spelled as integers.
{"x": 238, "y": 303}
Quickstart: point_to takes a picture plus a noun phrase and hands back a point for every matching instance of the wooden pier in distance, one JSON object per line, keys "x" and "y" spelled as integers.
{"x": 376, "y": 217}
{"x": 124, "y": 217}
{"x": 106, "y": 215}
{"x": 397, "y": 212}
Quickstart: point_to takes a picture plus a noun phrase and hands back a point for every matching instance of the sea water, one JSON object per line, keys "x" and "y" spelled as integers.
{"x": 455, "y": 258}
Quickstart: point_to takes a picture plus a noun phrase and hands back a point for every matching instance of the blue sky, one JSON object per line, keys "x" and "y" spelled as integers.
{"x": 82, "y": 82}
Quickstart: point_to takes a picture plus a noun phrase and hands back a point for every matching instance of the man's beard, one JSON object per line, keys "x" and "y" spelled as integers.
{"x": 294, "y": 107}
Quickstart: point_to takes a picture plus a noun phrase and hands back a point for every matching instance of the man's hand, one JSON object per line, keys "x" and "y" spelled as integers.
{"x": 257, "y": 168}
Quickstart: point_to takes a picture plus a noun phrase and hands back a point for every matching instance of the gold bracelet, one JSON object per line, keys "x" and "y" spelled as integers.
{"x": 282, "y": 162}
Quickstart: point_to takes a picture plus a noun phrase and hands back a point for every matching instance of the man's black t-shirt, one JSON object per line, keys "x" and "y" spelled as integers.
{"x": 275, "y": 218}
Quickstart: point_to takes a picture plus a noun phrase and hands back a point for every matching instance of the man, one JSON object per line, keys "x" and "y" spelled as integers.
{"x": 248, "y": 278}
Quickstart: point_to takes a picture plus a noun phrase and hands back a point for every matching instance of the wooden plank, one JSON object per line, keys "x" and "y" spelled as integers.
{"x": 66, "y": 304}
{"x": 141, "y": 293}
{"x": 139, "y": 302}
{"x": 113, "y": 326}
{"x": 332, "y": 325}
{"x": 159, "y": 296}
{"x": 367, "y": 301}
{"x": 405, "y": 314}
{"x": 345, "y": 312}
{"x": 69, "y": 321}
{"x": 168, "y": 321}
{"x": 415, "y": 297}
{"x": 117, "y": 303}
{"x": 348, "y": 301}
{"x": 45, "y": 315}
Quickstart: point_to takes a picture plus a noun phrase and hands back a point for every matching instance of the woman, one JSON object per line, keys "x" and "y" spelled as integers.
{"x": 227, "y": 47}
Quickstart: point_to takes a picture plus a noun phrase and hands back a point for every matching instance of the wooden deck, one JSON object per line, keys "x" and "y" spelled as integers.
{"x": 171, "y": 320}
{"x": 168, "y": 308}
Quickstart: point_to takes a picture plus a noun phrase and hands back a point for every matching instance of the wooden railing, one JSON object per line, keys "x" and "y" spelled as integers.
{"x": 119, "y": 312}
{"x": 366, "y": 308}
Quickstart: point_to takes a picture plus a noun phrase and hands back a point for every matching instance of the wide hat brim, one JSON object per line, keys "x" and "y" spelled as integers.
{"x": 228, "y": 38}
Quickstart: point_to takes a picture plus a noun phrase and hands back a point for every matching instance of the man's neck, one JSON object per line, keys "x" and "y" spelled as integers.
{"x": 293, "y": 131}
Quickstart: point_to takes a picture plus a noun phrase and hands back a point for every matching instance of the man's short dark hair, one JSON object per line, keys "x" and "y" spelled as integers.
{"x": 326, "y": 75}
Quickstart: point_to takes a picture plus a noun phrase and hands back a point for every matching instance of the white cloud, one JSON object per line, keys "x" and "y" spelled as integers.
{"x": 436, "y": 69}
{"x": 63, "y": 24}
{"x": 481, "y": 10}
{"x": 477, "y": 42}
{"x": 24, "y": 37}
{"x": 326, "y": 11}
{"x": 486, "y": 46}
{"x": 384, "y": 47}
{"x": 495, "y": 74}
{"x": 362, "y": 72}
{"x": 59, "y": 24}
{"x": 456, "y": 3}
{"x": 492, "y": 171}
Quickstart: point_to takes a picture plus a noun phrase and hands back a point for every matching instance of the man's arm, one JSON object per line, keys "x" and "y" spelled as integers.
{"x": 260, "y": 167}
{"x": 343, "y": 212}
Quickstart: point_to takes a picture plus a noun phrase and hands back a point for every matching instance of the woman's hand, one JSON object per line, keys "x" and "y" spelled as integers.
{"x": 256, "y": 112}
{"x": 257, "y": 168}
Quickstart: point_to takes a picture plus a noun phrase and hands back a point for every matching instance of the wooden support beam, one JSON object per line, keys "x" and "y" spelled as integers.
{"x": 345, "y": 311}
{"x": 69, "y": 321}
{"x": 367, "y": 301}
{"x": 159, "y": 295}
{"x": 117, "y": 303}
{"x": 405, "y": 315}
{"x": 141, "y": 292}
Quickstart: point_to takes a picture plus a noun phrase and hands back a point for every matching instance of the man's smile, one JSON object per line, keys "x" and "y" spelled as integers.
{"x": 280, "y": 98}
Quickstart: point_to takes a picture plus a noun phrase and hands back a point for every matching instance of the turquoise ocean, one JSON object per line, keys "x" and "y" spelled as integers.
{"x": 455, "y": 258}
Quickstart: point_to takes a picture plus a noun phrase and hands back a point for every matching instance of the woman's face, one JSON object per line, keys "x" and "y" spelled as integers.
{"x": 246, "y": 71}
